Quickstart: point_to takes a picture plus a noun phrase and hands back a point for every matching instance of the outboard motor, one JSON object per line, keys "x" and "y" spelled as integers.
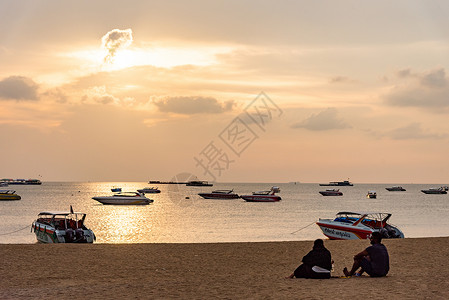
{"x": 69, "y": 235}
{"x": 79, "y": 233}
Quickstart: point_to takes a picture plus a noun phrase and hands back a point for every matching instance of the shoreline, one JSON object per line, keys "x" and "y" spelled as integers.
{"x": 219, "y": 270}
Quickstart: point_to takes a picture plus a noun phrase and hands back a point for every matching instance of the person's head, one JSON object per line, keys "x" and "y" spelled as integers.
{"x": 376, "y": 237}
{"x": 318, "y": 243}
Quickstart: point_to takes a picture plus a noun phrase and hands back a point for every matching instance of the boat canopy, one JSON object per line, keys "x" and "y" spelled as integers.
{"x": 372, "y": 215}
{"x": 59, "y": 213}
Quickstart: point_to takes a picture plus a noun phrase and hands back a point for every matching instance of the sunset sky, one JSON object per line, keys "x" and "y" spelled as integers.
{"x": 233, "y": 91}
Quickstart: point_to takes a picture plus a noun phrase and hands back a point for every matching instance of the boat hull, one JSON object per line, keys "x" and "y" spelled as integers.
{"x": 335, "y": 232}
{"x": 436, "y": 192}
{"x": 331, "y": 193}
{"x": 261, "y": 198}
{"x": 9, "y": 197}
{"x": 219, "y": 196}
{"x": 115, "y": 201}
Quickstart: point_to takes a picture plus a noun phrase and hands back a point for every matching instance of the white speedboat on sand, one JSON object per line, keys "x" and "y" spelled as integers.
{"x": 353, "y": 226}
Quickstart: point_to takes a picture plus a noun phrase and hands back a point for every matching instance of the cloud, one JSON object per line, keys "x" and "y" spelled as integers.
{"x": 18, "y": 88}
{"x": 427, "y": 90}
{"x": 192, "y": 105}
{"x": 114, "y": 40}
{"x": 412, "y": 131}
{"x": 325, "y": 120}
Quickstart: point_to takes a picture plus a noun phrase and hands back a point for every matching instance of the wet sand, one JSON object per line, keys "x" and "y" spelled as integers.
{"x": 223, "y": 270}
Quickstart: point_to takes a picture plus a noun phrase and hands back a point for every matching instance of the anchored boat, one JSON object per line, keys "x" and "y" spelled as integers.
{"x": 8, "y": 195}
{"x": 62, "y": 227}
{"x": 220, "y": 194}
{"x": 124, "y": 198}
{"x": 331, "y": 192}
{"x": 353, "y": 226}
{"x": 263, "y": 196}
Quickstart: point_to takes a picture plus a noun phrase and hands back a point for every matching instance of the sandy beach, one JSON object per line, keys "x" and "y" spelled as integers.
{"x": 225, "y": 270}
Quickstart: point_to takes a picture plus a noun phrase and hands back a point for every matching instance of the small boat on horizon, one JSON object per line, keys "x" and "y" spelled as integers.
{"x": 395, "y": 189}
{"x": 62, "y": 227}
{"x": 331, "y": 192}
{"x": 124, "y": 198}
{"x": 220, "y": 194}
{"x": 371, "y": 195}
{"x": 337, "y": 183}
{"x": 435, "y": 191}
{"x": 198, "y": 183}
{"x": 116, "y": 189}
{"x": 9, "y": 195}
{"x": 353, "y": 226}
{"x": 22, "y": 181}
{"x": 149, "y": 190}
{"x": 263, "y": 196}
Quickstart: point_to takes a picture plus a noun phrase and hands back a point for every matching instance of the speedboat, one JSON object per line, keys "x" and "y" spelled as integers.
{"x": 124, "y": 198}
{"x": 6, "y": 195}
{"x": 198, "y": 183}
{"x": 439, "y": 190}
{"x": 371, "y": 195}
{"x": 395, "y": 189}
{"x": 220, "y": 194}
{"x": 149, "y": 190}
{"x": 263, "y": 196}
{"x": 337, "y": 183}
{"x": 62, "y": 227}
{"x": 116, "y": 189}
{"x": 332, "y": 192}
{"x": 353, "y": 226}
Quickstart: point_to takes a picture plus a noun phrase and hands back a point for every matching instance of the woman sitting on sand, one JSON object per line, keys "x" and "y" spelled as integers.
{"x": 316, "y": 264}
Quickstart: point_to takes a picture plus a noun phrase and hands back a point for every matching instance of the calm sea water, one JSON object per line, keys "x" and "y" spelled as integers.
{"x": 174, "y": 219}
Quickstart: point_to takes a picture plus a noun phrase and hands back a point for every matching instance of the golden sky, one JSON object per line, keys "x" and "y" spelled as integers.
{"x": 252, "y": 91}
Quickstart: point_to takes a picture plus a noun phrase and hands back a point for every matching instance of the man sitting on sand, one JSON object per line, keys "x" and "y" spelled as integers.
{"x": 373, "y": 260}
{"x": 316, "y": 264}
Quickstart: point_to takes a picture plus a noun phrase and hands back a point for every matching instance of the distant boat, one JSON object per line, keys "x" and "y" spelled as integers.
{"x": 149, "y": 190}
{"x": 125, "y": 198}
{"x": 263, "y": 196}
{"x": 439, "y": 190}
{"x": 395, "y": 189}
{"x": 116, "y": 189}
{"x": 337, "y": 183}
{"x": 8, "y": 195}
{"x": 22, "y": 181}
{"x": 198, "y": 183}
{"x": 220, "y": 194}
{"x": 371, "y": 195}
{"x": 333, "y": 192}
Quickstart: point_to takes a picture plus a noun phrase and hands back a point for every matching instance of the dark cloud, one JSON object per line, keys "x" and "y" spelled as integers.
{"x": 18, "y": 88}
{"x": 114, "y": 40}
{"x": 192, "y": 105}
{"x": 325, "y": 120}
{"x": 412, "y": 131}
{"x": 427, "y": 90}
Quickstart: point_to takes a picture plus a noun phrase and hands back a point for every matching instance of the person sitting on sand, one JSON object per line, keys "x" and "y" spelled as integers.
{"x": 316, "y": 264}
{"x": 374, "y": 260}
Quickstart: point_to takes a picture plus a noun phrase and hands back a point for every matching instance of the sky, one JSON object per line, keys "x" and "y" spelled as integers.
{"x": 227, "y": 91}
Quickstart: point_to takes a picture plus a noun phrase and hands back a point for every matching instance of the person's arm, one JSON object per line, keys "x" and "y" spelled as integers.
{"x": 361, "y": 255}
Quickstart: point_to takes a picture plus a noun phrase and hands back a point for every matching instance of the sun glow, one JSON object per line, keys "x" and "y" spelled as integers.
{"x": 164, "y": 57}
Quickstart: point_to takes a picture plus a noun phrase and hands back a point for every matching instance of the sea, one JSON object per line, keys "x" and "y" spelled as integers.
{"x": 179, "y": 215}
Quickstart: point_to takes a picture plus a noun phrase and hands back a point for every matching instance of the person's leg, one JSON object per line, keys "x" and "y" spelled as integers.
{"x": 354, "y": 268}
{"x": 302, "y": 271}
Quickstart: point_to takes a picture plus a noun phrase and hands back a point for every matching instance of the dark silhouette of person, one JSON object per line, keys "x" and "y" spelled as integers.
{"x": 316, "y": 264}
{"x": 374, "y": 260}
